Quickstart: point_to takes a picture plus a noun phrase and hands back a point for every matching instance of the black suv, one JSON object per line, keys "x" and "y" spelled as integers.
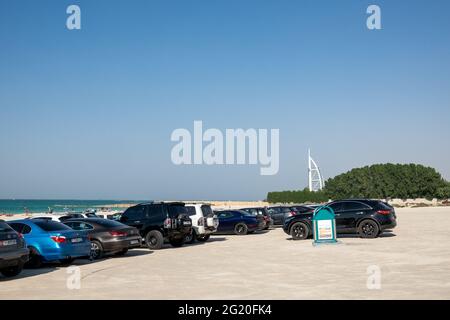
{"x": 368, "y": 218}
{"x": 13, "y": 251}
{"x": 157, "y": 221}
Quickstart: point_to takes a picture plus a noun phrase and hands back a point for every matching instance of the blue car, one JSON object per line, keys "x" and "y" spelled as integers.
{"x": 51, "y": 241}
{"x": 238, "y": 222}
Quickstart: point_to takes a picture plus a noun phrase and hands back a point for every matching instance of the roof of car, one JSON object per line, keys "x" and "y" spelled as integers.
{"x": 160, "y": 202}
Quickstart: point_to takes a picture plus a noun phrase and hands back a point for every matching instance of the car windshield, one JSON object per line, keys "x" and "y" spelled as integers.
{"x": 4, "y": 227}
{"x": 175, "y": 210}
{"x": 49, "y": 225}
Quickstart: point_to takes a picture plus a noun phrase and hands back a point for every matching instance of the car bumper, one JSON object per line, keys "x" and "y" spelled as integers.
{"x": 121, "y": 244}
{"x": 389, "y": 225}
{"x": 76, "y": 251}
{"x": 204, "y": 230}
{"x": 12, "y": 259}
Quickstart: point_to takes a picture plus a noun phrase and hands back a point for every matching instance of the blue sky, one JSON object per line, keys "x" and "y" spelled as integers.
{"x": 88, "y": 114}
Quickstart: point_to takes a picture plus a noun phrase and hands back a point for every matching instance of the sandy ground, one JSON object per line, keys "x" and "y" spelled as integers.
{"x": 414, "y": 262}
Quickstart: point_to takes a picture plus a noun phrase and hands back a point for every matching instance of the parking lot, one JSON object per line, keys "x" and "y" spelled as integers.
{"x": 414, "y": 261}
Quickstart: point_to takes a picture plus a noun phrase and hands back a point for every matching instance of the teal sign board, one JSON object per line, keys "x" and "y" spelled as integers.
{"x": 324, "y": 223}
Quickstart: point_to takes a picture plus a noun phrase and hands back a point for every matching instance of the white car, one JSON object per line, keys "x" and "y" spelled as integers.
{"x": 204, "y": 222}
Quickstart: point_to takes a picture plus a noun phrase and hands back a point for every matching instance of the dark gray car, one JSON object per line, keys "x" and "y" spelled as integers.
{"x": 13, "y": 251}
{"x": 107, "y": 236}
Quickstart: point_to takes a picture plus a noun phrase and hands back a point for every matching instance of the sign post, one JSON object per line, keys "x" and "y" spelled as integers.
{"x": 324, "y": 225}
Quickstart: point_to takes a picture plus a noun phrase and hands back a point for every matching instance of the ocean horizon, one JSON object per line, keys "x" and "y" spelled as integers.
{"x": 20, "y": 206}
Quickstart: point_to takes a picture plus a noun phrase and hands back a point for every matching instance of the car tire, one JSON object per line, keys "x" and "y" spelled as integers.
{"x": 203, "y": 238}
{"x": 12, "y": 271}
{"x": 97, "y": 251}
{"x": 190, "y": 238}
{"x": 154, "y": 240}
{"x": 368, "y": 229}
{"x": 121, "y": 253}
{"x": 240, "y": 229}
{"x": 299, "y": 231}
{"x": 176, "y": 242}
{"x": 35, "y": 259}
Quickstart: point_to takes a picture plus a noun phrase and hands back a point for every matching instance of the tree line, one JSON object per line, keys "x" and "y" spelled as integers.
{"x": 379, "y": 181}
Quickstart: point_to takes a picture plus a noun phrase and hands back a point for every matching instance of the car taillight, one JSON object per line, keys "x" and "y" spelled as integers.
{"x": 292, "y": 213}
{"x": 20, "y": 235}
{"x": 384, "y": 212}
{"x": 201, "y": 221}
{"x": 118, "y": 233}
{"x": 58, "y": 239}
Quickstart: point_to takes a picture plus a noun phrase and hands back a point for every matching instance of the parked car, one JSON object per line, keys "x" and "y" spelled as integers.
{"x": 51, "y": 241}
{"x": 64, "y": 216}
{"x": 107, "y": 236}
{"x": 204, "y": 222}
{"x": 280, "y": 213}
{"x": 368, "y": 218}
{"x": 238, "y": 222}
{"x": 264, "y": 212}
{"x": 158, "y": 221}
{"x": 303, "y": 208}
{"x": 13, "y": 251}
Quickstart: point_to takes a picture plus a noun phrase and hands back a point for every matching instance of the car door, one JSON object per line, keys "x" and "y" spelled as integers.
{"x": 277, "y": 215}
{"x": 226, "y": 221}
{"x": 338, "y": 209}
{"x": 353, "y": 211}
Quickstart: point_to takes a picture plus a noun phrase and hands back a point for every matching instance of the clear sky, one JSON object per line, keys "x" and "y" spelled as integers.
{"x": 88, "y": 114}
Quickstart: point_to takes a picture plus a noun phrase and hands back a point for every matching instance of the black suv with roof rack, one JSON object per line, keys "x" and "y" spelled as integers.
{"x": 368, "y": 218}
{"x": 159, "y": 221}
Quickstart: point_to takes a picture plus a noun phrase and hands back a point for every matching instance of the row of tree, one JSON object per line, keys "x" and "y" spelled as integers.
{"x": 379, "y": 181}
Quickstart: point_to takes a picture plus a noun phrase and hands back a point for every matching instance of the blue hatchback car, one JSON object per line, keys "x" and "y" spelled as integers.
{"x": 238, "y": 222}
{"x": 51, "y": 241}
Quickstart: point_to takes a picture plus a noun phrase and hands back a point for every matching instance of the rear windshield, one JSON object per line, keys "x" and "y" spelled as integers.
{"x": 108, "y": 223}
{"x": 4, "y": 227}
{"x": 191, "y": 210}
{"x": 207, "y": 211}
{"x": 383, "y": 206}
{"x": 175, "y": 210}
{"x": 48, "y": 225}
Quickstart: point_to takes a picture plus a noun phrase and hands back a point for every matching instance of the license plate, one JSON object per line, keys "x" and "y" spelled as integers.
{"x": 186, "y": 223}
{"x": 134, "y": 241}
{"x": 8, "y": 243}
{"x": 76, "y": 240}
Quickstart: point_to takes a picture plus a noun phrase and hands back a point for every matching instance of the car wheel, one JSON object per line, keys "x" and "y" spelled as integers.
{"x": 35, "y": 259}
{"x": 241, "y": 229}
{"x": 203, "y": 238}
{"x": 122, "y": 252}
{"x": 190, "y": 238}
{"x": 176, "y": 242}
{"x": 154, "y": 240}
{"x": 299, "y": 231}
{"x": 96, "y": 250}
{"x": 368, "y": 229}
{"x": 12, "y": 271}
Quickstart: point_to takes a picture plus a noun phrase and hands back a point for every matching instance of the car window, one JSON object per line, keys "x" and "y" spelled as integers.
{"x": 350, "y": 205}
{"x": 337, "y": 206}
{"x": 107, "y": 223}
{"x": 225, "y": 214}
{"x": 190, "y": 210}
{"x": 49, "y": 225}
{"x": 21, "y": 228}
{"x": 134, "y": 213}
{"x": 176, "y": 210}
{"x": 156, "y": 210}
{"x": 207, "y": 211}
{"x": 79, "y": 225}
